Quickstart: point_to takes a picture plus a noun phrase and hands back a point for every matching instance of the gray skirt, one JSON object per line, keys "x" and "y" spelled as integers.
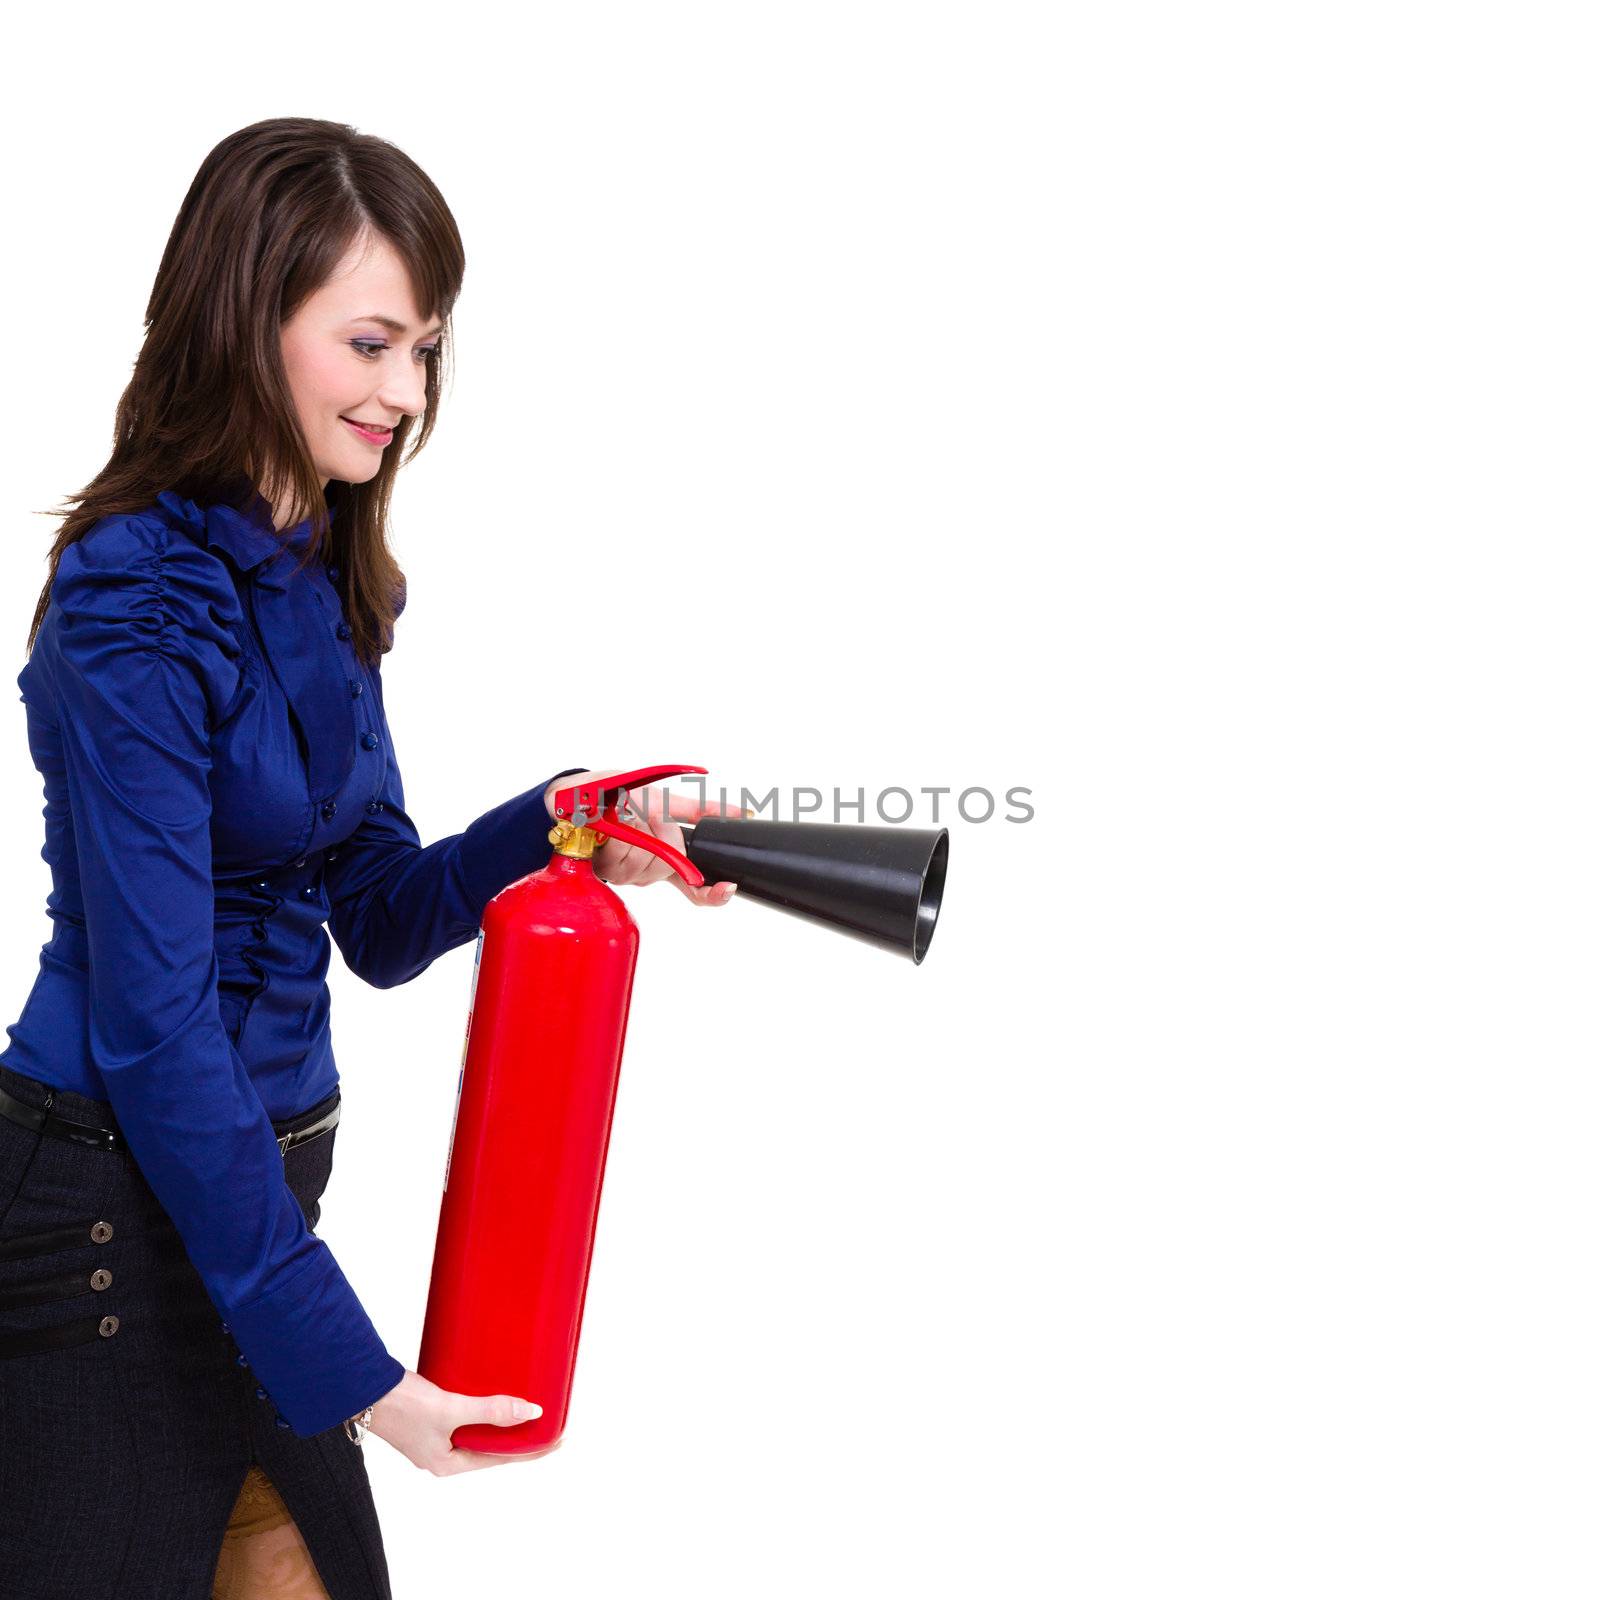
{"x": 128, "y": 1420}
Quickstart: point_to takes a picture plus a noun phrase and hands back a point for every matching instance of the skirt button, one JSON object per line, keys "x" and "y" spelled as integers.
{"x": 99, "y": 1279}
{"x": 100, "y": 1232}
{"x": 108, "y": 1326}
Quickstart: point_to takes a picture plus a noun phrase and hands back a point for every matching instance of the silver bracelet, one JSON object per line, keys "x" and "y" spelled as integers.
{"x": 356, "y": 1428}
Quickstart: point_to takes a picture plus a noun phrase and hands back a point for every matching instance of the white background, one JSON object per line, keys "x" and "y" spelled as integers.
{"x": 1186, "y": 413}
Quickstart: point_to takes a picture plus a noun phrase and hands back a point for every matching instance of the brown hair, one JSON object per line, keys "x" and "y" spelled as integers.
{"x": 271, "y": 213}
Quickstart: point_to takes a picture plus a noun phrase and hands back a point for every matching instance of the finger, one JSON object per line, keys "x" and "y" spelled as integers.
{"x": 654, "y": 872}
{"x": 708, "y": 894}
{"x": 646, "y": 803}
{"x": 664, "y": 829}
{"x": 496, "y": 1410}
{"x": 659, "y": 804}
{"x": 704, "y": 894}
{"x": 635, "y": 864}
{"x": 475, "y": 1460}
{"x": 637, "y": 806}
{"x": 672, "y": 834}
{"x": 617, "y": 862}
{"x": 686, "y": 809}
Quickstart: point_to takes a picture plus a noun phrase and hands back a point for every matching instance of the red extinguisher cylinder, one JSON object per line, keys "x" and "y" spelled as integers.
{"x": 552, "y": 981}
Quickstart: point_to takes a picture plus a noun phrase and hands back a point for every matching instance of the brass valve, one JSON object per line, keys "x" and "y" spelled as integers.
{"x": 572, "y": 840}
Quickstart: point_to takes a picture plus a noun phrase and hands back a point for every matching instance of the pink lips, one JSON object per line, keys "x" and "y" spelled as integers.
{"x": 367, "y": 433}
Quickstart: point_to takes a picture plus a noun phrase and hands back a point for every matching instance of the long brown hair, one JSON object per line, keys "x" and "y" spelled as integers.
{"x": 271, "y": 213}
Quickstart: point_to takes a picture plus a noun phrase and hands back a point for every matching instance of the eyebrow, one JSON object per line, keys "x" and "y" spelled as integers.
{"x": 393, "y": 326}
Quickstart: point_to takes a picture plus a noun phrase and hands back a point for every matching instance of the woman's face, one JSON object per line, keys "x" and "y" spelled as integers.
{"x": 356, "y": 352}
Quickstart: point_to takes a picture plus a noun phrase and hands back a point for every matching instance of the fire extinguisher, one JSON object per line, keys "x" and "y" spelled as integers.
{"x": 552, "y": 978}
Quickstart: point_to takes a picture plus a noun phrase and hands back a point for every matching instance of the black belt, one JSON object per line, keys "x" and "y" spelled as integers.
{"x": 41, "y": 1119}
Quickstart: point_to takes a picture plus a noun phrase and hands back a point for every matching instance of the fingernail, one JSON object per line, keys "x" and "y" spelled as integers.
{"x": 526, "y": 1410}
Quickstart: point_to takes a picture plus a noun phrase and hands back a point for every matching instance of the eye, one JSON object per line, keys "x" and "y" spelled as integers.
{"x": 372, "y": 348}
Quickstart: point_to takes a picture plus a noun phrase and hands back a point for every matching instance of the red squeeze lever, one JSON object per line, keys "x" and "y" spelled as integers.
{"x": 546, "y": 1022}
{"x": 590, "y": 806}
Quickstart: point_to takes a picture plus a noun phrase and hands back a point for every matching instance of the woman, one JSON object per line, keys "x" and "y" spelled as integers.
{"x": 204, "y": 701}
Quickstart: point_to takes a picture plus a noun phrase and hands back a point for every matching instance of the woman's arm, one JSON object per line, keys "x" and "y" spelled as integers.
{"x": 141, "y": 661}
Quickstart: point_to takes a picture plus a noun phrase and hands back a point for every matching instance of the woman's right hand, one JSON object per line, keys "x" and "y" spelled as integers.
{"x": 650, "y": 811}
{"x": 417, "y": 1417}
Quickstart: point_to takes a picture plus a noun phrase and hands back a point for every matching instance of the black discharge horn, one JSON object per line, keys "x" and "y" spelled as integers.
{"x": 882, "y": 885}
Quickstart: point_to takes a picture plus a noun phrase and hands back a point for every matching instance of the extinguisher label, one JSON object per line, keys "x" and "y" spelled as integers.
{"x": 461, "y": 1076}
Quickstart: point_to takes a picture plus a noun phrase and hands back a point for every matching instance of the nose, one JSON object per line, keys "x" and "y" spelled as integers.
{"x": 404, "y": 391}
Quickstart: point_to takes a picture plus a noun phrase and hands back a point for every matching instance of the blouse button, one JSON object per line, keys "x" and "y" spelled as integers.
{"x": 301, "y": 862}
{"x": 262, "y": 883}
{"x": 279, "y": 1420}
{"x": 239, "y": 1361}
{"x": 332, "y": 855}
{"x": 309, "y": 892}
{"x": 343, "y": 630}
{"x": 355, "y": 688}
{"x": 369, "y": 741}
{"x": 328, "y": 809}
{"x": 374, "y": 805}
{"x": 333, "y": 572}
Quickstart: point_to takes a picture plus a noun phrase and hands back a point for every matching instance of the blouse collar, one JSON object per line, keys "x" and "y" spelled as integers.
{"x": 241, "y": 526}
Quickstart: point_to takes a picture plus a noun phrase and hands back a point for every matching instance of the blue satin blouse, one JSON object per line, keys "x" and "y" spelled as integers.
{"x": 221, "y": 791}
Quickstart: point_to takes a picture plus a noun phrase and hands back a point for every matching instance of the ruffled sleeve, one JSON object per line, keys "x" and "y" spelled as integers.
{"x": 134, "y": 591}
{"x": 144, "y": 665}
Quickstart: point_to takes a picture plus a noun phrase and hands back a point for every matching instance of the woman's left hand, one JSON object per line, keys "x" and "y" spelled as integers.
{"x": 655, "y": 811}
